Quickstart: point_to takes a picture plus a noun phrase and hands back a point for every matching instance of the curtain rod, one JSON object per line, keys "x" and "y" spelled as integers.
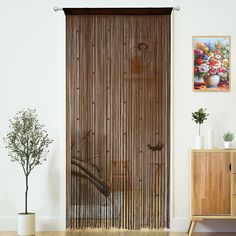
{"x": 176, "y": 8}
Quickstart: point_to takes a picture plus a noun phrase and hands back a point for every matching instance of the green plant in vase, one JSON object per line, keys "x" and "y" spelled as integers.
{"x": 228, "y": 138}
{"x": 199, "y": 117}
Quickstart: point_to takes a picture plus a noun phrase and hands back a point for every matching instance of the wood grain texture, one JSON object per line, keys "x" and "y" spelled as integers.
{"x": 233, "y": 183}
{"x": 118, "y": 86}
{"x": 233, "y": 205}
{"x": 233, "y": 176}
{"x": 211, "y": 183}
{"x": 233, "y": 162}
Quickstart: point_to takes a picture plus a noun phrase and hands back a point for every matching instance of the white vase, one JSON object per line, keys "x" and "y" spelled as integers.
{"x": 210, "y": 139}
{"x": 26, "y": 224}
{"x": 199, "y": 142}
{"x": 227, "y": 144}
{"x": 212, "y": 81}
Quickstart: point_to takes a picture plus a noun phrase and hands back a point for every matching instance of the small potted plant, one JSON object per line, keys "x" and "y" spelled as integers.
{"x": 199, "y": 117}
{"x": 228, "y": 138}
{"x": 27, "y": 142}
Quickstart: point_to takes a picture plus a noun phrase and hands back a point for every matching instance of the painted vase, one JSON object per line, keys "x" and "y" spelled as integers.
{"x": 212, "y": 81}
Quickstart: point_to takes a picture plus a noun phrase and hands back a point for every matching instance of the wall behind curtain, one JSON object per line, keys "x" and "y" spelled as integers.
{"x": 32, "y": 59}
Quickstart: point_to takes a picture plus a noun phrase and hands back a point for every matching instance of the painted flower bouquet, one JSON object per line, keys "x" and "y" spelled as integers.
{"x": 211, "y": 61}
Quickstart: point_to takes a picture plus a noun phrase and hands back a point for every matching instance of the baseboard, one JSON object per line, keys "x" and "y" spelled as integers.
{"x": 179, "y": 224}
{"x": 42, "y": 224}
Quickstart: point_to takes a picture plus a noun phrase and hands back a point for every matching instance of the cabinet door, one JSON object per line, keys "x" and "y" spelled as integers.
{"x": 233, "y": 180}
{"x": 211, "y": 191}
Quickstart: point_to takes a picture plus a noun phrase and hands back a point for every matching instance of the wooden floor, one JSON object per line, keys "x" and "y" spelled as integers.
{"x": 116, "y": 233}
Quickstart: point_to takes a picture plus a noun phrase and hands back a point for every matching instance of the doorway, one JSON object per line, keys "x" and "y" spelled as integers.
{"x": 118, "y": 118}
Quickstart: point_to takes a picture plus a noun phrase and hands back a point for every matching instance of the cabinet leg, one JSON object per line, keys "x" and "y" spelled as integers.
{"x": 191, "y": 227}
{"x": 190, "y": 224}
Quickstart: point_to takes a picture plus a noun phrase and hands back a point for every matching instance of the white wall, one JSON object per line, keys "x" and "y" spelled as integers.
{"x": 32, "y": 74}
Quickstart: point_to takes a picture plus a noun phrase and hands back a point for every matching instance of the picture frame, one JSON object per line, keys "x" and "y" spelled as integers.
{"x": 211, "y": 63}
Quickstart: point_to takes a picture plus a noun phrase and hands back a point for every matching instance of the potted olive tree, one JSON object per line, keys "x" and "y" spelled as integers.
{"x": 199, "y": 117}
{"x": 27, "y": 142}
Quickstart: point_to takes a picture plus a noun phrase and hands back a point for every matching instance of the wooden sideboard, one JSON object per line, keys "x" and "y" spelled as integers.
{"x": 213, "y": 185}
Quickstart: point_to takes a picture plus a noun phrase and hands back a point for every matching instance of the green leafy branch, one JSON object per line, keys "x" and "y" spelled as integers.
{"x": 199, "y": 117}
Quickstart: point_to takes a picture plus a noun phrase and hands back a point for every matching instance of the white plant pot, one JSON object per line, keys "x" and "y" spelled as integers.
{"x": 199, "y": 142}
{"x": 227, "y": 144}
{"x": 26, "y": 224}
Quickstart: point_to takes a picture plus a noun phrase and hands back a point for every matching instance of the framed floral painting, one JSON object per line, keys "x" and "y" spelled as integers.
{"x": 211, "y": 63}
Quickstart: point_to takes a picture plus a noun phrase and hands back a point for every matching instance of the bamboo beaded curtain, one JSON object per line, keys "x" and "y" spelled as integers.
{"x": 118, "y": 119}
